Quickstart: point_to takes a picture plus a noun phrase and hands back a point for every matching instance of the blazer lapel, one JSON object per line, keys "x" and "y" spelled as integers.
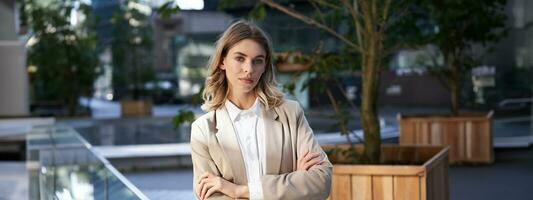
{"x": 273, "y": 141}
{"x": 230, "y": 146}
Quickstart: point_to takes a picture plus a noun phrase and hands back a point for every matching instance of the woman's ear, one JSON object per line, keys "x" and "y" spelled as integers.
{"x": 222, "y": 66}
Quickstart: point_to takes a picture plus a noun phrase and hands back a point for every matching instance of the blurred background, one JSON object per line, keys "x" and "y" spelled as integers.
{"x": 97, "y": 96}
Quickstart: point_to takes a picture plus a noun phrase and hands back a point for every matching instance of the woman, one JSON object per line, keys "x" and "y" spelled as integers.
{"x": 252, "y": 143}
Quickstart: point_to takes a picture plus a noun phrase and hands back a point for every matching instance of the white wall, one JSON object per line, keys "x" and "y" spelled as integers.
{"x": 7, "y": 20}
{"x": 14, "y": 100}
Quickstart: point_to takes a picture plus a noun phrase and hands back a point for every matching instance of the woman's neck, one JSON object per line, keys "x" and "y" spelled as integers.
{"x": 243, "y": 101}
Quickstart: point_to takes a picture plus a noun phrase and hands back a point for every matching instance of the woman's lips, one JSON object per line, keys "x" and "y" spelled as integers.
{"x": 247, "y": 80}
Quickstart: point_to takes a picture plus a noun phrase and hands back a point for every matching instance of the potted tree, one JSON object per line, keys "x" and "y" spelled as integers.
{"x": 459, "y": 26}
{"x": 132, "y": 58}
{"x": 372, "y": 171}
{"x": 291, "y": 61}
{"x": 62, "y": 57}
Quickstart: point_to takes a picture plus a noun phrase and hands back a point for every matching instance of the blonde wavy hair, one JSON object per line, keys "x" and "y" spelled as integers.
{"x": 216, "y": 85}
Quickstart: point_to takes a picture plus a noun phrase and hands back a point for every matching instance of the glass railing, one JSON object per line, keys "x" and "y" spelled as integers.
{"x": 62, "y": 165}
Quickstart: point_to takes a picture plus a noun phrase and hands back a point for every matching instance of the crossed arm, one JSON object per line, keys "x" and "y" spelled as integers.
{"x": 311, "y": 180}
{"x": 210, "y": 183}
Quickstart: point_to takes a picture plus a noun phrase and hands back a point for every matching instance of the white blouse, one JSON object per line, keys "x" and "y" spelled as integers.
{"x": 249, "y": 127}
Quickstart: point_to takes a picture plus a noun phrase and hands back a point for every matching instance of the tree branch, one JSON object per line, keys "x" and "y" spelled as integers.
{"x": 355, "y": 17}
{"x": 320, "y": 14}
{"x": 328, "y": 4}
{"x": 310, "y": 21}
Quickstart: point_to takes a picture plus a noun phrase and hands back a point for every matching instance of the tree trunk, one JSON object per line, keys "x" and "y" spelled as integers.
{"x": 454, "y": 95}
{"x": 370, "y": 64}
{"x": 455, "y": 85}
{"x": 369, "y": 113}
{"x": 370, "y": 31}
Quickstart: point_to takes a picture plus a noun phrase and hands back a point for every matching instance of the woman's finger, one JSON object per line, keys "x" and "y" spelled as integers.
{"x": 301, "y": 159}
{"x": 311, "y": 156}
{"x": 312, "y": 163}
{"x": 210, "y": 192}
{"x": 204, "y": 189}
{"x": 204, "y": 175}
{"x": 201, "y": 185}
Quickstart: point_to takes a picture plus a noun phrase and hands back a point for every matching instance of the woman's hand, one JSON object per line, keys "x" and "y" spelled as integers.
{"x": 308, "y": 160}
{"x": 209, "y": 184}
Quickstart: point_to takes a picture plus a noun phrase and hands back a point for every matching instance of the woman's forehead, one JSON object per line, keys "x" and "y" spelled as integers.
{"x": 248, "y": 48}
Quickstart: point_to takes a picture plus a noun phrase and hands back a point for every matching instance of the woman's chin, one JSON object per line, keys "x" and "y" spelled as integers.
{"x": 247, "y": 88}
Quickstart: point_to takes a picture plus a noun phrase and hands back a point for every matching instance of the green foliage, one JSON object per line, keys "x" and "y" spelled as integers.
{"x": 183, "y": 117}
{"x": 64, "y": 56}
{"x": 225, "y": 4}
{"x": 455, "y": 26}
{"x": 168, "y": 9}
{"x": 259, "y": 12}
{"x": 459, "y": 23}
{"x": 132, "y": 50}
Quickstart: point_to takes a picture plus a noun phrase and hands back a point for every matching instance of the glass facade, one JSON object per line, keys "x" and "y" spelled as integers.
{"x": 62, "y": 165}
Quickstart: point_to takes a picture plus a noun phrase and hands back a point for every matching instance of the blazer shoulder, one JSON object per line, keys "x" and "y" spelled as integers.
{"x": 206, "y": 122}
{"x": 290, "y": 106}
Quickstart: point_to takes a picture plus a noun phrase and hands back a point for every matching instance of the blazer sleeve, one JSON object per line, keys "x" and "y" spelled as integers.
{"x": 314, "y": 183}
{"x": 201, "y": 159}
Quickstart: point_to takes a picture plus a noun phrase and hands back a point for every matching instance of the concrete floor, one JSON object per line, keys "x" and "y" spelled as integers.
{"x": 163, "y": 184}
{"x": 13, "y": 180}
{"x": 509, "y": 178}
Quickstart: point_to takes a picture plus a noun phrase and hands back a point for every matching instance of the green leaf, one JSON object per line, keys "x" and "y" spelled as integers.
{"x": 168, "y": 9}
{"x": 183, "y": 117}
{"x": 258, "y": 13}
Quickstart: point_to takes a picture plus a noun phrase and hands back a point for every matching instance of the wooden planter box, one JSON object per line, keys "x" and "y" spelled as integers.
{"x": 291, "y": 67}
{"x": 133, "y": 108}
{"x": 426, "y": 181}
{"x": 285, "y": 64}
{"x": 469, "y": 135}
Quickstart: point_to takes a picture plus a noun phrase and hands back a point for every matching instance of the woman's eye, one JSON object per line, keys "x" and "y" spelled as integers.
{"x": 259, "y": 61}
{"x": 240, "y": 59}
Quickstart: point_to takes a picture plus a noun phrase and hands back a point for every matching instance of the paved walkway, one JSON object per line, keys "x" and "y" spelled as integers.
{"x": 509, "y": 178}
{"x": 170, "y": 185}
{"x": 13, "y": 180}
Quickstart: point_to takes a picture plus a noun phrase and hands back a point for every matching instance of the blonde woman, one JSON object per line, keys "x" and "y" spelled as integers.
{"x": 253, "y": 143}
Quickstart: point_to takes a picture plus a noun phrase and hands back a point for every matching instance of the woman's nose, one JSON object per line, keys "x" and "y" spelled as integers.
{"x": 248, "y": 67}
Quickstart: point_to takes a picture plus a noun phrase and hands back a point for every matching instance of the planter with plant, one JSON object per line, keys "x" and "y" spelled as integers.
{"x": 460, "y": 25}
{"x": 62, "y": 57}
{"x": 291, "y": 62}
{"x": 132, "y": 57}
{"x": 368, "y": 36}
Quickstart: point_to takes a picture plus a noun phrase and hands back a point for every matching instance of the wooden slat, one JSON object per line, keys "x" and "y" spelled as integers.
{"x": 431, "y": 184}
{"x": 436, "y": 133}
{"x": 382, "y": 188}
{"x": 341, "y": 187}
{"x": 406, "y": 188}
{"x": 461, "y": 143}
{"x": 469, "y": 136}
{"x": 423, "y": 188}
{"x": 451, "y": 139}
{"x": 378, "y": 170}
{"x": 407, "y": 128}
{"x": 482, "y": 148}
{"x": 362, "y": 187}
{"x": 469, "y": 131}
{"x": 438, "y": 182}
{"x": 424, "y": 134}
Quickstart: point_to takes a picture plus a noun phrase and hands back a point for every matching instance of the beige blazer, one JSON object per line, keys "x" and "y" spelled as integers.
{"x": 288, "y": 136}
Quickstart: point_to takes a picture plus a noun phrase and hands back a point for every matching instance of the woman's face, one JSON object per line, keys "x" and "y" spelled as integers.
{"x": 244, "y": 64}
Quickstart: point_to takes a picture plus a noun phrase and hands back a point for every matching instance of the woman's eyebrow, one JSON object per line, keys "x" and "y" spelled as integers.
{"x": 242, "y": 54}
